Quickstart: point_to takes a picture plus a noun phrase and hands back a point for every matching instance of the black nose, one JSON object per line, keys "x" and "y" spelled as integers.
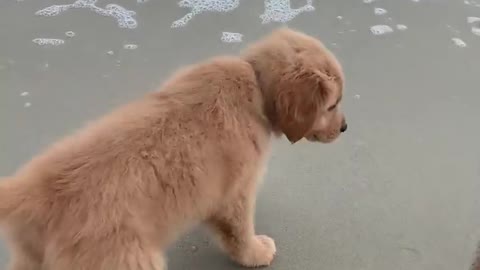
{"x": 344, "y": 127}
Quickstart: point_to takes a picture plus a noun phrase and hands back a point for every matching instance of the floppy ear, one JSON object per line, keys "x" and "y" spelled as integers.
{"x": 297, "y": 102}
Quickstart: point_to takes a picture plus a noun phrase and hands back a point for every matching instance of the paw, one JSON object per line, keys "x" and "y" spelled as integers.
{"x": 261, "y": 252}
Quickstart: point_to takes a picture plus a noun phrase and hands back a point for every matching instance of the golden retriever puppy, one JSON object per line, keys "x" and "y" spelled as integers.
{"x": 114, "y": 195}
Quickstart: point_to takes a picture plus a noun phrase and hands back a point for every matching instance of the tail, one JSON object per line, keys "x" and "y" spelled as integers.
{"x": 9, "y": 198}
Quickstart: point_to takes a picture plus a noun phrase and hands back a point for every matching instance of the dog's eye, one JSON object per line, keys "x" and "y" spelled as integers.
{"x": 331, "y": 108}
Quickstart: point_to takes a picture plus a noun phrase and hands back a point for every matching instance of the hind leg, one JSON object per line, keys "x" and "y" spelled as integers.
{"x": 119, "y": 253}
{"x": 131, "y": 259}
{"x": 26, "y": 248}
{"x": 23, "y": 259}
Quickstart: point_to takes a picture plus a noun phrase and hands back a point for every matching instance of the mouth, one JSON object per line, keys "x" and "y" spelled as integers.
{"x": 313, "y": 138}
{"x": 317, "y": 138}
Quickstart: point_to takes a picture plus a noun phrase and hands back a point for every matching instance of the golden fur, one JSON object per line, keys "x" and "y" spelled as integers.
{"x": 114, "y": 195}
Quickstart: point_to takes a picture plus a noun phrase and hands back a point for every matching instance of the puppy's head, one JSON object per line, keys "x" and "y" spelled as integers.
{"x": 302, "y": 84}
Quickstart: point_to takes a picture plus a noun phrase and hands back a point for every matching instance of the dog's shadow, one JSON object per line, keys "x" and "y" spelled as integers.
{"x": 198, "y": 250}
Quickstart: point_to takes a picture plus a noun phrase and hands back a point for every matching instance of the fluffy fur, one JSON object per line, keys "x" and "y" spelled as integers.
{"x": 115, "y": 194}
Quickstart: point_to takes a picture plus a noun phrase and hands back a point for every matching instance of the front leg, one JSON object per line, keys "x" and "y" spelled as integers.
{"x": 234, "y": 224}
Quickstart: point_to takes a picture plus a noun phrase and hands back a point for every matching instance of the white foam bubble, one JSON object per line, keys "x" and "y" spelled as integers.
{"x": 199, "y": 6}
{"x": 476, "y": 26}
{"x": 130, "y": 46}
{"x": 123, "y": 16}
{"x": 27, "y": 104}
{"x": 340, "y": 17}
{"x": 472, "y": 3}
{"x": 476, "y": 31}
{"x": 402, "y": 27}
{"x": 459, "y": 42}
{"x": 24, "y": 94}
{"x": 230, "y": 37}
{"x": 53, "y": 10}
{"x": 473, "y": 19}
{"x": 380, "y": 11}
{"x": 142, "y": 1}
{"x": 282, "y": 11}
{"x": 110, "y": 52}
{"x": 357, "y": 96}
{"x": 48, "y": 41}
{"x": 381, "y": 29}
{"x": 84, "y": 3}
{"x": 368, "y": 1}
{"x": 70, "y": 34}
